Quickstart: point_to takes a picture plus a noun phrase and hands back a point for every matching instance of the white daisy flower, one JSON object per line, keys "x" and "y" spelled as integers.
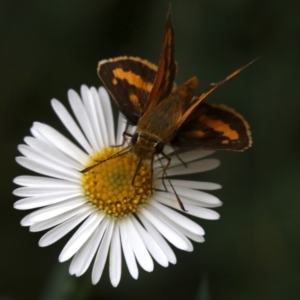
{"x": 112, "y": 214}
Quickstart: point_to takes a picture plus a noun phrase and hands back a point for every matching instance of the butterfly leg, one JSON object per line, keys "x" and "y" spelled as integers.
{"x": 179, "y": 158}
{"x": 136, "y": 171}
{"x": 165, "y": 167}
{"x": 124, "y": 134}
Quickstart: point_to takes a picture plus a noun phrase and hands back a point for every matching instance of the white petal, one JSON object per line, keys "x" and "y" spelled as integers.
{"x": 178, "y": 218}
{"x": 101, "y": 117}
{"x": 49, "y": 170}
{"x": 191, "y": 207}
{"x": 91, "y": 103}
{"x": 109, "y": 119}
{"x": 194, "y": 167}
{"x": 39, "y": 226}
{"x": 169, "y": 199}
{"x": 90, "y": 107}
{"x": 128, "y": 252}
{"x": 121, "y": 128}
{"x": 61, "y": 230}
{"x": 61, "y": 142}
{"x": 169, "y": 234}
{"x": 71, "y": 125}
{"x": 131, "y": 129}
{"x": 99, "y": 130}
{"x": 86, "y": 253}
{"x": 164, "y": 246}
{"x": 168, "y": 150}
{"x": 35, "y": 133}
{"x": 198, "y": 185}
{"x": 26, "y": 220}
{"x": 195, "y": 237}
{"x": 44, "y": 182}
{"x": 115, "y": 258}
{"x": 151, "y": 245}
{"x": 54, "y": 210}
{"x": 102, "y": 253}
{"x": 41, "y": 190}
{"x": 186, "y": 157}
{"x": 184, "y": 225}
{"x": 39, "y": 157}
{"x": 43, "y": 200}
{"x": 199, "y": 196}
{"x": 170, "y": 225}
{"x": 52, "y": 153}
{"x": 201, "y": 212}
{"x": 80, "y": 236}
{"x": 82, "y": 117}
{"x": 141, "y": 253}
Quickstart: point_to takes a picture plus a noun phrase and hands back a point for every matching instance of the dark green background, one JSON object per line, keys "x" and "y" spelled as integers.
{"x": 253, "y": 251}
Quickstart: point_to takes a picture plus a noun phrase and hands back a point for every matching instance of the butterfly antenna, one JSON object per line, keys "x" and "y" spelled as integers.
{"x": 121, "y": 152}
{"x": 210, "y": 89}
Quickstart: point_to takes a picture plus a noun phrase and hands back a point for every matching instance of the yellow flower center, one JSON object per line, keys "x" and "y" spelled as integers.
{"x": 113, "y": 186}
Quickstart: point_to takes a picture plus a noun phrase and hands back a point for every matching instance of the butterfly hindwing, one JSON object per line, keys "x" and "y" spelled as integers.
{"x": 214, "y": 127}
{"x": 129, "y": 81}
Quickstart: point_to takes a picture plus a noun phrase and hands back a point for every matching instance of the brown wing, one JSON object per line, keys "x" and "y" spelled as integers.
{"x": 214, "y": 127}
{"x": 208, "y": 91}
{"x": 129, "y": 80}
{"x": 166, "y": 72}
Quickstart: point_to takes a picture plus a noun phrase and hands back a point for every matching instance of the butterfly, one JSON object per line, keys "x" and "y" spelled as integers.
{"x": 165, "y": 114}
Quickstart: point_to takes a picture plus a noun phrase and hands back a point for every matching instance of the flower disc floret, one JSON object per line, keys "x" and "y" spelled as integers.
{"x": 113, "y": 185}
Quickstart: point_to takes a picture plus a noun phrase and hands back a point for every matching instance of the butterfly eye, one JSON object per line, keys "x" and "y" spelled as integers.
{"x": 134, "y": 138}
{"x": 159, "y": 147}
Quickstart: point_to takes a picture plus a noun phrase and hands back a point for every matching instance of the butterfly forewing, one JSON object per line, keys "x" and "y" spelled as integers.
{"x": 214, "y": 127}
{"x": 129, "y": 81}
{"x": 164, "y": 80}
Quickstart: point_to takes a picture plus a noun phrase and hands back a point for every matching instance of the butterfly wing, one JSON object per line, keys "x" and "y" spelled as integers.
{"x": 197, "y": 101}
{"x": 214, "y": 127}
{"x": 164, "y": 80}
{"x": 129, "y": 80}
{"x": 137, "y": 85}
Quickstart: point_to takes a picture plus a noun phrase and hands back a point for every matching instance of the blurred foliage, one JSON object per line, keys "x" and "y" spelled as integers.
{"x": 252, "y": 252}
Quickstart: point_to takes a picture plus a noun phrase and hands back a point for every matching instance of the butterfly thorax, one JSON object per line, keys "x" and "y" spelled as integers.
{"x": 145, "y": 145}
{"x": 160, "y": 123}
